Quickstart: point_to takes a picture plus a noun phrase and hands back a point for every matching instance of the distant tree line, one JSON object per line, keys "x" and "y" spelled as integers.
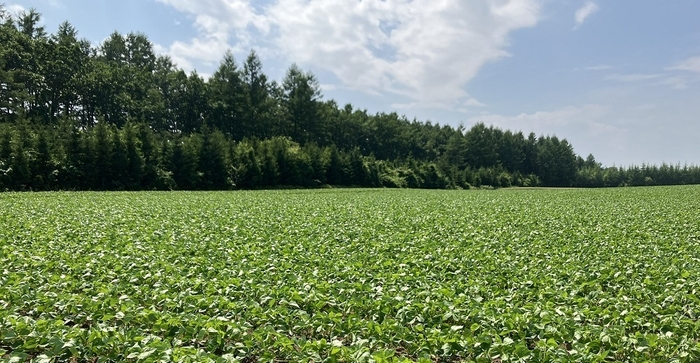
{"x": 120, "y": 117}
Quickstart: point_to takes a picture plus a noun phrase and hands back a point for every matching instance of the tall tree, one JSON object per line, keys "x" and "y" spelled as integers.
{"x": 119, "y": 164}
{"x": 481, "y": 147}
{"x": 510, "y": 150}
{"x": 186, "y": 99}
{"x": 556, "y": 161}
{"x": 456, "y": 150}
{"x": 42, "y": 166}
{"x": 22, "y": 64}
{"x": 63, "y": 58}
{"x": 301, "y": 93}
{"x": 257, "y": 103}
{"x": 28, "y": 22}
{"x": 227, "y": 98}
{"x": 20, "y": 163}
{"x": 112, "y": 79}
{"x": 183, "y": 162}
{"x": 134, "y": 157}
{"x": 12, "y": 54}
{"x": 76, "y": 157}
{"x": 102, "y": 151}
{"x": 213, "y": 162}
{"x": 151, "y": 157}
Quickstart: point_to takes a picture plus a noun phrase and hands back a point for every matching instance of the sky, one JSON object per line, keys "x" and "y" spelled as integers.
{"x": 619, "y": 79}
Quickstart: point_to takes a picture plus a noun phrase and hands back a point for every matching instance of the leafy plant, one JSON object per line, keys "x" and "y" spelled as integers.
{"x": 351, "y": 276}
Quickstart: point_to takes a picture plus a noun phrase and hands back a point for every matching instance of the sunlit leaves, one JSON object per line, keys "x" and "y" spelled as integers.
{"x": 351, "y": 276}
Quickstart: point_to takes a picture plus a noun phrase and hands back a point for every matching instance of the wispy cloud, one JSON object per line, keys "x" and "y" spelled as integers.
{"x": 587, "y": 127}
{"x": 690, "y": 64}
{"x": 473, "y": 102}
{"x": 635, "y": 77}
{"x": 584, "y": 12}
{"x": 675, "y": 82}
{"x": 329, "y": 87}
{"x": 600, "y": 67}
{"x": 542, "y": 121}
{"x": 668, "y": 79}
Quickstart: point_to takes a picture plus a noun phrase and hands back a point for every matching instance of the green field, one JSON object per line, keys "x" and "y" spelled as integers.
{"x": 351, "y": 276}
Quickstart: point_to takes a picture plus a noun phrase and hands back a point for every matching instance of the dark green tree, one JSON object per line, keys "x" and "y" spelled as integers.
{"x": 227, "y": 99}
{"x": 213, "y": 163}
{"x": 134, "y": 158}
{"x": 102, "y": 150}
{"x": 20, "y": 164}
{"x": 256, "y": 108}
{"x": 119, "y": 164}
{"x": 151, "y": 178}
{"x": 43, "y": 168}
{"x": 481, "y": 147}
{"x": 556, "y": 162}
{"x": 184, "y": 162}
{"x": 301, "y": 93}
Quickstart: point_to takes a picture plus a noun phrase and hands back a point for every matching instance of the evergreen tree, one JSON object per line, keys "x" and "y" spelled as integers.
{"x": 74, "y": 170}
{"x": 183, "y": 163}
{"x": 20, "y": 173}
{"x": 556, "y": 162}
{"x": 301, "y": 92}
{"x": 151, "y": 158}
{"x": 5, "y": 157}
{"x": 227, "y": 99}
{"x": 119, "y": 164}
{"x": 42, "y": 166}
{"x": 118, "y": 116}
{"x": 102, "y": 149}
{"x": 334, "y": 169}
{"x": 481, "y": 147}
{"x": 257, "y": 102}
{"x": 134, "y": 158}
{"x": 268, "y": 166}
{"x": 212, "y": 160}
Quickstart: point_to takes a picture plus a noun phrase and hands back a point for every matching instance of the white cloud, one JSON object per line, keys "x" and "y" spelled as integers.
{"x": 221, "y": 24}
{"x": 635, "y": 77}
{"x": 660, "y": 79}
{"x": 600, "y": 67}
{"x": 14, "y": 9}
{"x": 675, "y": 82}
{"x": 208, "y": 51}
{"x": 586, "y": 127}
{"x": 584, "y": 12}
{"x": 235, "y": 14}
{"x": 472, "y": 102}
{"x": 425, "y": 50}
{"x": 542, "y": 121}
{"x": 465, "y": 105}
{"x": 329, "y": 87}
{"x": 690, "y": 64}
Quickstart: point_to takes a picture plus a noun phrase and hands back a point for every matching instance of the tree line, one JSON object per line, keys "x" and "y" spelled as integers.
{"x": 120, "y": 117}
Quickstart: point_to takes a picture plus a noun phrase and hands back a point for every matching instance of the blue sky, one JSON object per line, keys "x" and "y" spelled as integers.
{"x": 619, "y": 79}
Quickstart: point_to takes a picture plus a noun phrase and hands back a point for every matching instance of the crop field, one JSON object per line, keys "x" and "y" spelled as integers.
{"x": 351, "y": 276}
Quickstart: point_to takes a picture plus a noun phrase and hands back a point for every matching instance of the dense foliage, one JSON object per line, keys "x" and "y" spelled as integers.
{"x": 587, "y": 275}
{"x": 118, "y": 116}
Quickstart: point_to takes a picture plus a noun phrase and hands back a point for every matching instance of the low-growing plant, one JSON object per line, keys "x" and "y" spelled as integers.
{"x": 351, "y": 276}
